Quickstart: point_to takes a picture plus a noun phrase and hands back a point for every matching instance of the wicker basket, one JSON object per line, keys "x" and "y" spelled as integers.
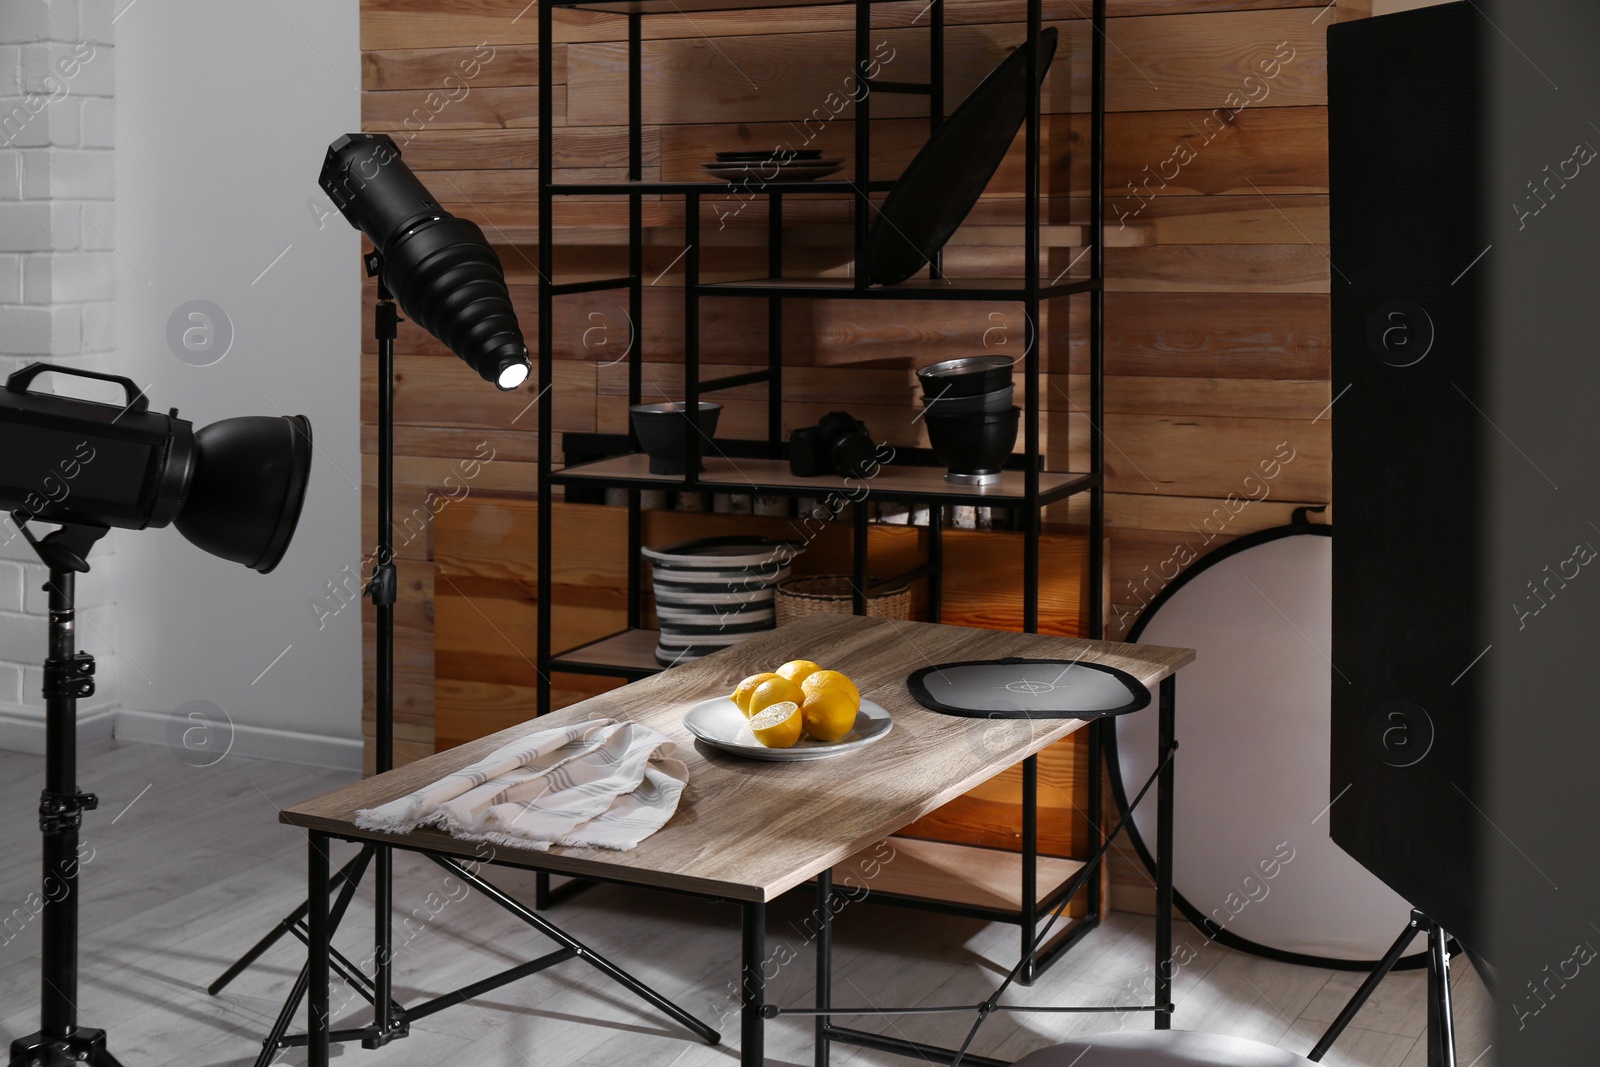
{"x": 831, "y": 594}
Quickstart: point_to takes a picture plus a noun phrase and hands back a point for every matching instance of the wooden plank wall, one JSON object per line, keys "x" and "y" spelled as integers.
{"x": 1217, "y": 310}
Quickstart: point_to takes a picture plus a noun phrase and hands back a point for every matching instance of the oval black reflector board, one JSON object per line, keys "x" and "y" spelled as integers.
{"x": 1028, "y": 689}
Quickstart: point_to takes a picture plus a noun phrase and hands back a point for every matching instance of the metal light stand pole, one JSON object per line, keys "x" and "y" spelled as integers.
{"x": 68, "y": 677}
{"x": 384, "y": 591}
{"x": 389, "y": 1021}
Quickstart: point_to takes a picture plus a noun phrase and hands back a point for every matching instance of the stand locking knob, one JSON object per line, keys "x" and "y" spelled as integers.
{"x": 69, "y": 679}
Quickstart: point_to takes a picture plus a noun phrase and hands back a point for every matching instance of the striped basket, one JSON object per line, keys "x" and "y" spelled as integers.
{"x": 715, "y": 591}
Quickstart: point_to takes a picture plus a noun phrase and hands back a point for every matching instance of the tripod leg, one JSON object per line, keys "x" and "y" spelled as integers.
{"x": 280, "y": 1026}
{"x": 1419, "y": 922}
{"x": 1441, "y": 1022}
{"x": 287, "y": 926}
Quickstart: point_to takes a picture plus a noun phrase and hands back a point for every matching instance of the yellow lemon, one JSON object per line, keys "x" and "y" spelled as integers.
{"x": 773, "y": 691}
{"x": 746, "y": 689}
{"x": 777, "y": 726}
{"x": 830, "y": 714}
{"x": 796, "y": 670}
{"x": 817, "y": 681}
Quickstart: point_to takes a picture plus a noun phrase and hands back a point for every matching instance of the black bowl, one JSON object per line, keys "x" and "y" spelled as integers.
{"x": 974, "y": 444}
{"x": 660, "y": 429}
{"x": 968, "y": 376}
{"x": 949, "y": 406}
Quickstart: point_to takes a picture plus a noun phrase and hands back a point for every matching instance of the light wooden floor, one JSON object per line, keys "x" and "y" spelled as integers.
{"x": 190, "y": 867}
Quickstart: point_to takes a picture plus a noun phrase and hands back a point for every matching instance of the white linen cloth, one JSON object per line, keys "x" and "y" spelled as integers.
{"x": 601, "y": 784}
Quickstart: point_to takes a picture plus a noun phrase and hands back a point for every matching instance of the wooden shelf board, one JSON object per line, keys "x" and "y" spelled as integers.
{"x": 822, "y": 235}
{"x": 631, "y": 650}
{"x": 951, "y": 873}
{"x": 923, "y": 288}
{"x": 715, "y": 189}
{"x": 669, "y": 7}
{"x": 772, "y": 476}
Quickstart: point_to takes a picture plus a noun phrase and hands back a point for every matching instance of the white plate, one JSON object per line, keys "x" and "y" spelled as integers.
{"x": 719, "y": 723}
{"x": 799, "y": 171}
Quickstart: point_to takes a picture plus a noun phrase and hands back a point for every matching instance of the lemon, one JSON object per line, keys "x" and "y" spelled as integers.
{"x": 819, "y": 680}
{"x": 777, "y": 726}
{"x": 746, "y": 689}
{"x": 830, "y": 714}
{"x": 796, "y": 670}
{"x": 774, "y": 691}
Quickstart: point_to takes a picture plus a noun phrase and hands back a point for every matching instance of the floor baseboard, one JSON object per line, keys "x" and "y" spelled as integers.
{"x": 22, "y": 730}
{"x": 214, "y": 744}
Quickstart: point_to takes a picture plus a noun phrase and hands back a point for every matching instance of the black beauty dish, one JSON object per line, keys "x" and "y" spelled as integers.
{"x": 660, "y": 427}
{"x": 972, "y": 423}
{"x": 967, "y": 376}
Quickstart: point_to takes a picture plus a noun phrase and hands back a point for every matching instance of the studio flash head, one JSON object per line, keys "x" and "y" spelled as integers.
{"x": 233, "y": 488}
{"x": 440, "y": 268}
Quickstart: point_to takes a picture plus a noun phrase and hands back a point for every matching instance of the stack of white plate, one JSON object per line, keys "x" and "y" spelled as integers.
{"x": 715, "y": 591}
{"x": 778, "y": 165}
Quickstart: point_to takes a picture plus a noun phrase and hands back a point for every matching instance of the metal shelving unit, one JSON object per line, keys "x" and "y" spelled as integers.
{"x": 1027, "y": 487}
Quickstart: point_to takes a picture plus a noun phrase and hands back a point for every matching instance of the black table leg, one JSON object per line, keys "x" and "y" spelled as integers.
{"x": 317, "y": 922}
{"x": 824, "y": 962}
{"x": 752, "y": 984}
{"x": 1164, "y": 798}
{"x": 1028, "y": 917}
{"x": 383, "y": 942}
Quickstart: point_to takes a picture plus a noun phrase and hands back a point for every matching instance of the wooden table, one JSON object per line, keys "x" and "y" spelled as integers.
{"x": 719, "y": 843}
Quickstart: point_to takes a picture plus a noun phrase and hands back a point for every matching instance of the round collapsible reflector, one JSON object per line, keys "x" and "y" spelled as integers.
{"x": 1254, "y": 866}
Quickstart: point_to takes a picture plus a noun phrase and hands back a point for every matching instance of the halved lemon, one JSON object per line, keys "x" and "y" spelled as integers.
{"x": 774, "y": 690}
{"x": 777, "y": 726}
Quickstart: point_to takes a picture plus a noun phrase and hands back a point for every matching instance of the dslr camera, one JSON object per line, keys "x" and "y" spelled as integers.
{"x": 838, "y": 444}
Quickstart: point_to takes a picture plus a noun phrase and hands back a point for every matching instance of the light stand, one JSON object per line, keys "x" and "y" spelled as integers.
{"x": 68, "y": 677}
{"x": 442, "y": 272}
{"x": 389, "y": 1020}
{"x": 1441, "y": 1023}
{"x": 234, "y": 489}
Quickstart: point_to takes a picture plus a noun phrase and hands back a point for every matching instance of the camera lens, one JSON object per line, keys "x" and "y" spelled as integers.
{"x": 853, "y": 454}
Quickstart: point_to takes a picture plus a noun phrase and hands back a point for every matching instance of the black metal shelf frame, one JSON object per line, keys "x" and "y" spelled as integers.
{"x": 633, "y": 187}
{"x": 1031, "y": 292}
{"x": 1077, "y": 483}
{"x": 953, "y": 289}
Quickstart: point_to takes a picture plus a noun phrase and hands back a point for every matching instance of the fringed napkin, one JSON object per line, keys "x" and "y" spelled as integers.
{"x": 601, "y": 784}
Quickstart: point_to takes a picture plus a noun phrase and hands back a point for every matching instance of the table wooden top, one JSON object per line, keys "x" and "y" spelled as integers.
{"x": 751, "y": 829}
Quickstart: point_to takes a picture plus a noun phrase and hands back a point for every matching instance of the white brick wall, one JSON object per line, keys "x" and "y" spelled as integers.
{"x": 57, "y": 278}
